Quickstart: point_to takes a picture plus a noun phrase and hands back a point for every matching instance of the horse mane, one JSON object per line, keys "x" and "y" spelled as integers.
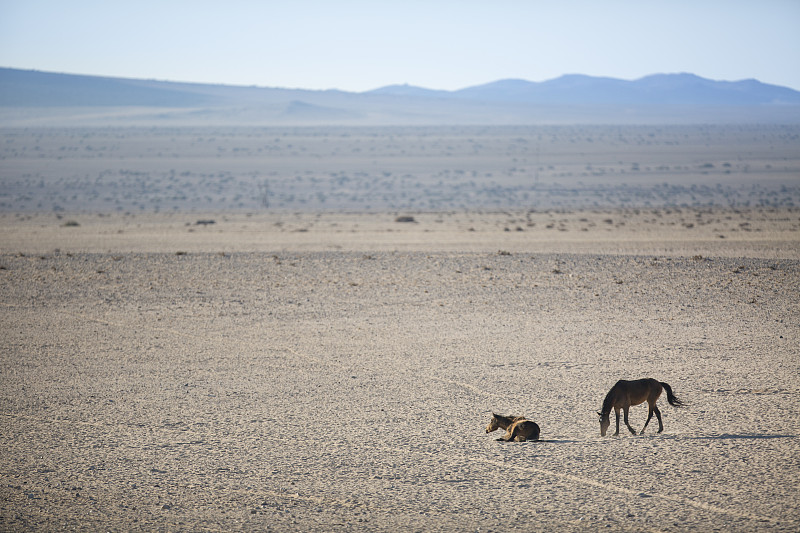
{"x": 608, "y": 402}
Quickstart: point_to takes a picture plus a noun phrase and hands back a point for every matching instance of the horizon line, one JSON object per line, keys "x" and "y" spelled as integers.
{"x": 402, "y": 84}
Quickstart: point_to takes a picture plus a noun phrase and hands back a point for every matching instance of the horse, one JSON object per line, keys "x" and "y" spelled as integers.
{"x": 624, "y": 394}
{"x": 518, "y": 428}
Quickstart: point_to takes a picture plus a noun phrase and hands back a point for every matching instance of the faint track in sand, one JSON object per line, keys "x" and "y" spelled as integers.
{"x": 575, "y": 478}
{"x": 609, "y": 487}
{"x": 599, "y": 484}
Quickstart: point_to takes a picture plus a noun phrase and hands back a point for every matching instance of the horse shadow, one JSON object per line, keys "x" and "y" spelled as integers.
{"x": 544, "y": 441}
{"x": 734, "y": 436}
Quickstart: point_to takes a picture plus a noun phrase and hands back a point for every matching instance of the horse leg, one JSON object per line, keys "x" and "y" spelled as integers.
{"x": 616, "y": 412}
{"x": 658, "y": 415}
{"x": 516, "y": 435}
{"x": 630, "y": 428}
{"x": 509, "y": 436}
{"x": 649, "y": 416}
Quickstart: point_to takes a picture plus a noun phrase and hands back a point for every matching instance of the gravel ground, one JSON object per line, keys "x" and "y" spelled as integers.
{"x": 349, "y": 390}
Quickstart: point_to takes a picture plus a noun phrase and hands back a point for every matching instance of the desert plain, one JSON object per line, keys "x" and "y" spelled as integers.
{"x": 310, "y": 328}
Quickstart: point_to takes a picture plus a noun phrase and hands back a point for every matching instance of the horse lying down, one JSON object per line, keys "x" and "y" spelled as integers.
{"x": 518, "y": 428}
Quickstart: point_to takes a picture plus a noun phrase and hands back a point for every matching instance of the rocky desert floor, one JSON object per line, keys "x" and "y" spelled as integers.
{"x": 310, "y": 329}
{"x": 335, "y": 371}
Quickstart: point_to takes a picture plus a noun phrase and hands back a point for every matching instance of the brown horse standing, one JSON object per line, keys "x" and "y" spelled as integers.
{"x": 624, "y": 394}
{"x": 518, "y": 428}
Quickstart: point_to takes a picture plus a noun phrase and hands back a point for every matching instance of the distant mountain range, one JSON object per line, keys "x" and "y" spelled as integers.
{"x": 34, "y": 97}
{"x": 577, "y": 89}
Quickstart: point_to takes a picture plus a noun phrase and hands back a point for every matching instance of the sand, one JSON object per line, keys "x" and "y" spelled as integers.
{"x": 158, "y": 374}
{"x": 769, "y": 233}
{"x": 301, "y": 368}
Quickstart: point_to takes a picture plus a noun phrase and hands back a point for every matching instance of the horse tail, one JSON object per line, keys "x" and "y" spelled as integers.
{"x": 671, "y": 398}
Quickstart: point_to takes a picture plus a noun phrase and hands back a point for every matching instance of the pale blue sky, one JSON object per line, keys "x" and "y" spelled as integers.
{"x": 360, "y": 45}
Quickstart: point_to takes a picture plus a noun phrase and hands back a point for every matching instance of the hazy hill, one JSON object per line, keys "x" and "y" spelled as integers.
{"x": 35, "y": 98}
{"x": 24, "y": 88}
{"x": 659, "y": 89}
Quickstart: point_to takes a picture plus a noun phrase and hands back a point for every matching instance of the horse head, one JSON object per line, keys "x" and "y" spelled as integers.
{"x": 604, "y": 422}
{"x": 494, "y": 423}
